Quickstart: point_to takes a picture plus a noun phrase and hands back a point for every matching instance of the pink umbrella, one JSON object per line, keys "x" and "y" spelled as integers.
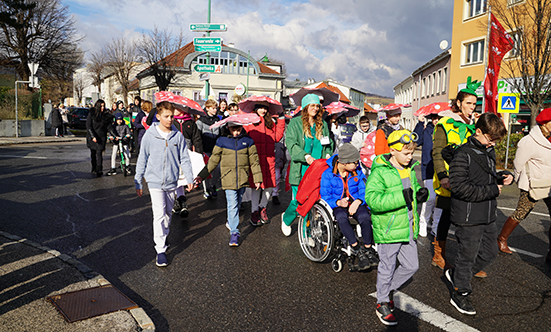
{"x": 180, "y": 102}
{"x": 326, "y": 96}
{"x": 393, "y": 106}
{"x": 340, "y": 107}
{"x": 241, "y": 119}
{"x": 274, "y": 106}
{"x": 433, "y": 108}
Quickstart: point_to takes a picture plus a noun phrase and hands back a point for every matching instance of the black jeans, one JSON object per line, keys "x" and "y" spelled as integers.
{"x": 97, "y": 160}
{"x": 477, "y": 248}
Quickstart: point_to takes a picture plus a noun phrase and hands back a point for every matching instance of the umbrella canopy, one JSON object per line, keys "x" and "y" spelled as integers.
{"x": 248, "y": 105}
{"x": 433, "y": 108}
{"x": 180, "y": 102}
{"x": 393, "y": 106}
{"x": 340, "y": 107}
{"x": 326, "y": 96}
{"x": 241, "y": 119}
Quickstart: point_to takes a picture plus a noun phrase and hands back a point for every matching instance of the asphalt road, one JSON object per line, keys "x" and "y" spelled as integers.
{"x": 48, "y": 195}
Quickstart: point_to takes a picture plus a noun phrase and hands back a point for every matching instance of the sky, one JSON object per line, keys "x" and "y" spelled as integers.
{"x": 371, "y": 45}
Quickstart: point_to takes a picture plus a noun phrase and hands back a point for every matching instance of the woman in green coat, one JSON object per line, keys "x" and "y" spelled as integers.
{"x": 307, "y": 139}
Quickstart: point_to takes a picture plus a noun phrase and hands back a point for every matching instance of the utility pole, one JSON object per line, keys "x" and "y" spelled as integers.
{"x": 207, "y": 82}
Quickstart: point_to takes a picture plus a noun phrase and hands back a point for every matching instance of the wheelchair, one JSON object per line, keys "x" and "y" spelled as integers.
{"x": 321, "y": 239}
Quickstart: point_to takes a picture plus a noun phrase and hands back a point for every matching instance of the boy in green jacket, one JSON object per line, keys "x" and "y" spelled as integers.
{"x": 392, "y": 192}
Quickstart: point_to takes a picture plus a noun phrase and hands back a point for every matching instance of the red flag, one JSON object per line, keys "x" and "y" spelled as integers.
{"x": 500, "y": 43}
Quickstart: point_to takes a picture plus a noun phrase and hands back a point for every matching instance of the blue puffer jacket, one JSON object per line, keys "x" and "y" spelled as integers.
{"x": 425, "y": 140}
{"x": 332, "y": 184}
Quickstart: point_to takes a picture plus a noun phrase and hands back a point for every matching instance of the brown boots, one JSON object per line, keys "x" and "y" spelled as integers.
{"x": 439, "y": 254}
{"x": 507, "y": 229}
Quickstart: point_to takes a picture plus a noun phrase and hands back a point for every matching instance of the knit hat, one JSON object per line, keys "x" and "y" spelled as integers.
{"x": 544, "y": 116}
{"x": 348, "y": 153}
{"x": 118, "y": 116}
{"x": 309, "y": 99}
{"x": 395, "y": 138}
{"x": 471, "y": 87}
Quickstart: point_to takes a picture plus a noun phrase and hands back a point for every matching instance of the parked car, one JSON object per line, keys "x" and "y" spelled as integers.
{"x": 77, "y": 117}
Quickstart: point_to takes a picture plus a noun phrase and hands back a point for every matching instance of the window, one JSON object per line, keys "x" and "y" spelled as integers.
{"x": 231, "y": 63}
{"x": 474, "y": 52}
{"x": 433, "y": 86}
{"x": 476, "y": 7}
{"x": 517, "y": 35}
{"x": 439, "y": 79}
{"x": 444, "y": 79}
{"x": 424, "y": 87}
{"x": 513, "y": 2}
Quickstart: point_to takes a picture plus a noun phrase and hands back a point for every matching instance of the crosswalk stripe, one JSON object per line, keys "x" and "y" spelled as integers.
{"x": 535, "y": 213}
{"x": 428, "y": 314}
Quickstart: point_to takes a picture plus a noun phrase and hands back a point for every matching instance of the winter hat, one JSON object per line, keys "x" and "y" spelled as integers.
{"x": 309, "y": 99}
{"x": 471, "y": 87}
{"x": 348, "y": 153}
{"x": 118, "y": 116}
{"x": 544, "y": 116}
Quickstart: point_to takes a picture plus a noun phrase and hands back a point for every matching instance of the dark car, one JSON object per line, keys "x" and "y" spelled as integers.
{"x": 77, "y": 117}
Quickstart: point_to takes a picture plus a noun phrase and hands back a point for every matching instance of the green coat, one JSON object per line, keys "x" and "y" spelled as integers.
{"x": 384, "y": 196}
{"x": 294, "y": 141}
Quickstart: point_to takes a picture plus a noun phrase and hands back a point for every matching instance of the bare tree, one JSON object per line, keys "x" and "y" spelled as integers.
{"x": 79, "y": 84}
{"x": 122, "y": 57}
{"x": 96, "y": 68}
{"x": 40, "y": 31}
{"x": 529, "y": 63}
{"x": 160, "y": 49}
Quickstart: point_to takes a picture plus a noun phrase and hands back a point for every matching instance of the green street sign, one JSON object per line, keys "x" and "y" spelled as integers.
{"x": 207, "y": 44}
{"x": 205, "y": 68}
{"x": 206, "y": 27}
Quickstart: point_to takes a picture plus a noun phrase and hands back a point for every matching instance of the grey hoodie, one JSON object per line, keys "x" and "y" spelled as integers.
{"x": 160, "y": 159}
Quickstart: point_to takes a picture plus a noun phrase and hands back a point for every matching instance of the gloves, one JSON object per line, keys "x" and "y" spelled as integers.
{"x": 408, "y": 195}
{"x": 422, "y": 195}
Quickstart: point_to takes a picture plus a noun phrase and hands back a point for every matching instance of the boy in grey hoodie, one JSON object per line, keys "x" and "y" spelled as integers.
{"x": 163, "y": 153}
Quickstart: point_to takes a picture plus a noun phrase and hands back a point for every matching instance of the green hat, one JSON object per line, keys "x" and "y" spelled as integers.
{"x": 309, "y": 99}
{"x": 471, "y": 87}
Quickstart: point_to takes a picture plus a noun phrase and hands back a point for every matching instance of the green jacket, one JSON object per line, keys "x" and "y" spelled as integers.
{"x": 236, "y": 156}
{"x": 294, "y": 141}
{"x": 384, "y": 196}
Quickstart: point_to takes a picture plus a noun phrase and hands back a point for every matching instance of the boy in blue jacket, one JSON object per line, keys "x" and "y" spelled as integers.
{"x": 163, "y": 153}
{"x": 343, "y": 188}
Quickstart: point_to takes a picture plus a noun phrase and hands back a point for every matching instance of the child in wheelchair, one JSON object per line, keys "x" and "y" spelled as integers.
{"x": 119, "y": 131}
{"x": 343, "y": 188}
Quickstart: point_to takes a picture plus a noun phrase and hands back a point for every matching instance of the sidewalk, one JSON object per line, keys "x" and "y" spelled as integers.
{"x": 40, "y": 139}
{"x": 30, "y": 272}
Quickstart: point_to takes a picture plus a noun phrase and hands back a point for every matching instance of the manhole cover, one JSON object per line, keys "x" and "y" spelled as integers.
{"x": 91, "y": 302}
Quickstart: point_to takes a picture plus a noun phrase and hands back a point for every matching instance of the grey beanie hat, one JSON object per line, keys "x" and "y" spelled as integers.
{"x": 348, "y": 153}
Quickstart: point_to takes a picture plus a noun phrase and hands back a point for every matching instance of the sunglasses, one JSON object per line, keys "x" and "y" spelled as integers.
{"x": 406, "y": 139}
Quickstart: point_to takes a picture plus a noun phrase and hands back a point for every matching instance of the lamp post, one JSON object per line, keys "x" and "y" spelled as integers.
{"x": 16, "y": 111}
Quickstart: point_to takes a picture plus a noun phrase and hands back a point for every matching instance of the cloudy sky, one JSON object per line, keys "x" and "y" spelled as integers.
{"x": 371, "y": 45}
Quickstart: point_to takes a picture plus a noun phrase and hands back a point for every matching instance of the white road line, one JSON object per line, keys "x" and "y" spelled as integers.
{"x": 511, "y": 209}
{"x": 428, "y": 314}
{"x": 24, "y": 157}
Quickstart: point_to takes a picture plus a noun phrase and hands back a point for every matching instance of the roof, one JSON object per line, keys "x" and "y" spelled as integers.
{"x": 439, "y": 57}
{"x": 134, "y": 85}
{"x": 342, "y": 97}
{"x": 368, "y": 109}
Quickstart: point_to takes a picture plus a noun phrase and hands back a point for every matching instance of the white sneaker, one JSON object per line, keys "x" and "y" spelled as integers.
{"x": 284, "y": 228}
{"x": 423, "y": 229}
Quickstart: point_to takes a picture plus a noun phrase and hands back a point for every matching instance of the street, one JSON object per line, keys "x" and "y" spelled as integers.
{"x": 48, "y": 195}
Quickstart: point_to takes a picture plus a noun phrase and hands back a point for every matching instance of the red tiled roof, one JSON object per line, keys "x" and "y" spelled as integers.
{"x": 266, "y": 70}
{"x": 369, "y": 109}
{"x": 342, "y": 97}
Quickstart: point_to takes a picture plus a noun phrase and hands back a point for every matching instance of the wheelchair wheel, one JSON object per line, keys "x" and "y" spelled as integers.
{"x": 336, "y": 265}
{"x": 315, "y": 234}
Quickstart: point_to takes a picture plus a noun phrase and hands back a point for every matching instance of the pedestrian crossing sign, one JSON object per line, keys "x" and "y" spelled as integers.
{"x": 508, "y": 103}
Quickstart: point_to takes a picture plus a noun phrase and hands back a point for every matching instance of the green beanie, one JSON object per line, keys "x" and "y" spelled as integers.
{"x": 309, "y": 99}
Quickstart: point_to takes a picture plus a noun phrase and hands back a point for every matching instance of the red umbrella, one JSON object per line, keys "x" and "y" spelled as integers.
{"x": 241, "y": 119}
{"x": 340, "y": 107}
{"x": 433, "y": 108}
{"x": 393, "y": 106}
{"x": 326, "y": 96}
{"x": 274, "y": 106}
{"x": 180, "y": 102}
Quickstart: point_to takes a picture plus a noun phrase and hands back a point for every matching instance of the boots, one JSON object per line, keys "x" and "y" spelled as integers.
{"x": 507, "y": 229}
{"x": 439, "y": 259}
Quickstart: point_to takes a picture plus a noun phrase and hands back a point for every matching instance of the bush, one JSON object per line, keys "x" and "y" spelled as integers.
{"x": 28, "y": 104}
{"x": 501, "y": 150}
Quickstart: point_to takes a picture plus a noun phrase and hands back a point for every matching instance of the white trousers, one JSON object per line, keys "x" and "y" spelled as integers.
{"x": 260, "y": 198}
{"x": 162, "y": 203}
{"x": 115, "y": 153}
{"x": 429, "y": 208}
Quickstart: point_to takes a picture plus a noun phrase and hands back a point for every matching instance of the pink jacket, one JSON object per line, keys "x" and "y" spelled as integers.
{"x": 533, "y": 154}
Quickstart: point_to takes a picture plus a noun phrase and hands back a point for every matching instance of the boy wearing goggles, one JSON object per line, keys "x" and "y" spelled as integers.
{"x": 392, "y": 192}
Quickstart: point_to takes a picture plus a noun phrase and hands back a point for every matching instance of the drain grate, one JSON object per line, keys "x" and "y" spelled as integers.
{"x": 91, "y": 302}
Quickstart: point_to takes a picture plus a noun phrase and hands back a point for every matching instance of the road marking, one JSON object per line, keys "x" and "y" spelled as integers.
{"x": 428, "y": 314}
{"x": 24, "y": 157}
{"x": 536, "y": 213}
{"x": 520, "y": 251}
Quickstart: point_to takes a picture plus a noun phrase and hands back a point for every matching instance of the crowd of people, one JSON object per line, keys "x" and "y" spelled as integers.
{"x": 371, "y": 178}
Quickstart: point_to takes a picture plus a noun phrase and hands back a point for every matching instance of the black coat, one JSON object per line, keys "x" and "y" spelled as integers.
{"x": 473, "y": 184}
{"x": 56, "y": 118}
{"x": 425, "y": 140}
{"x": 191, "y": 134}
{"x": 97, "y": 126}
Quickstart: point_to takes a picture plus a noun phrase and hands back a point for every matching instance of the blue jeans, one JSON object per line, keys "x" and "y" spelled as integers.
{"x": 233, "y": 199}
{"x": 363, "y": 217}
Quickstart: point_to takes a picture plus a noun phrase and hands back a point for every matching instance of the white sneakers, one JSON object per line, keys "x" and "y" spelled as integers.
{"x": 284, "y": 228}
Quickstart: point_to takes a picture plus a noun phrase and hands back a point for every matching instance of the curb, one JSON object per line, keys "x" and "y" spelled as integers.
{"x": 139, "y": 315}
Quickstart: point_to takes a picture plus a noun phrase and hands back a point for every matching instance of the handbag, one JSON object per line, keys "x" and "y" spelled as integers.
{"x": 539, "y": 188}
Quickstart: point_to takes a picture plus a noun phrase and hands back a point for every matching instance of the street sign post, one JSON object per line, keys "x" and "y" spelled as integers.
{"x": 204, "y": 76}
{"x": 208, "y": 27}
{"x": 508, "y": 103}
{"x": 205, "y": 68}
{"x": 210, "y": 44}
